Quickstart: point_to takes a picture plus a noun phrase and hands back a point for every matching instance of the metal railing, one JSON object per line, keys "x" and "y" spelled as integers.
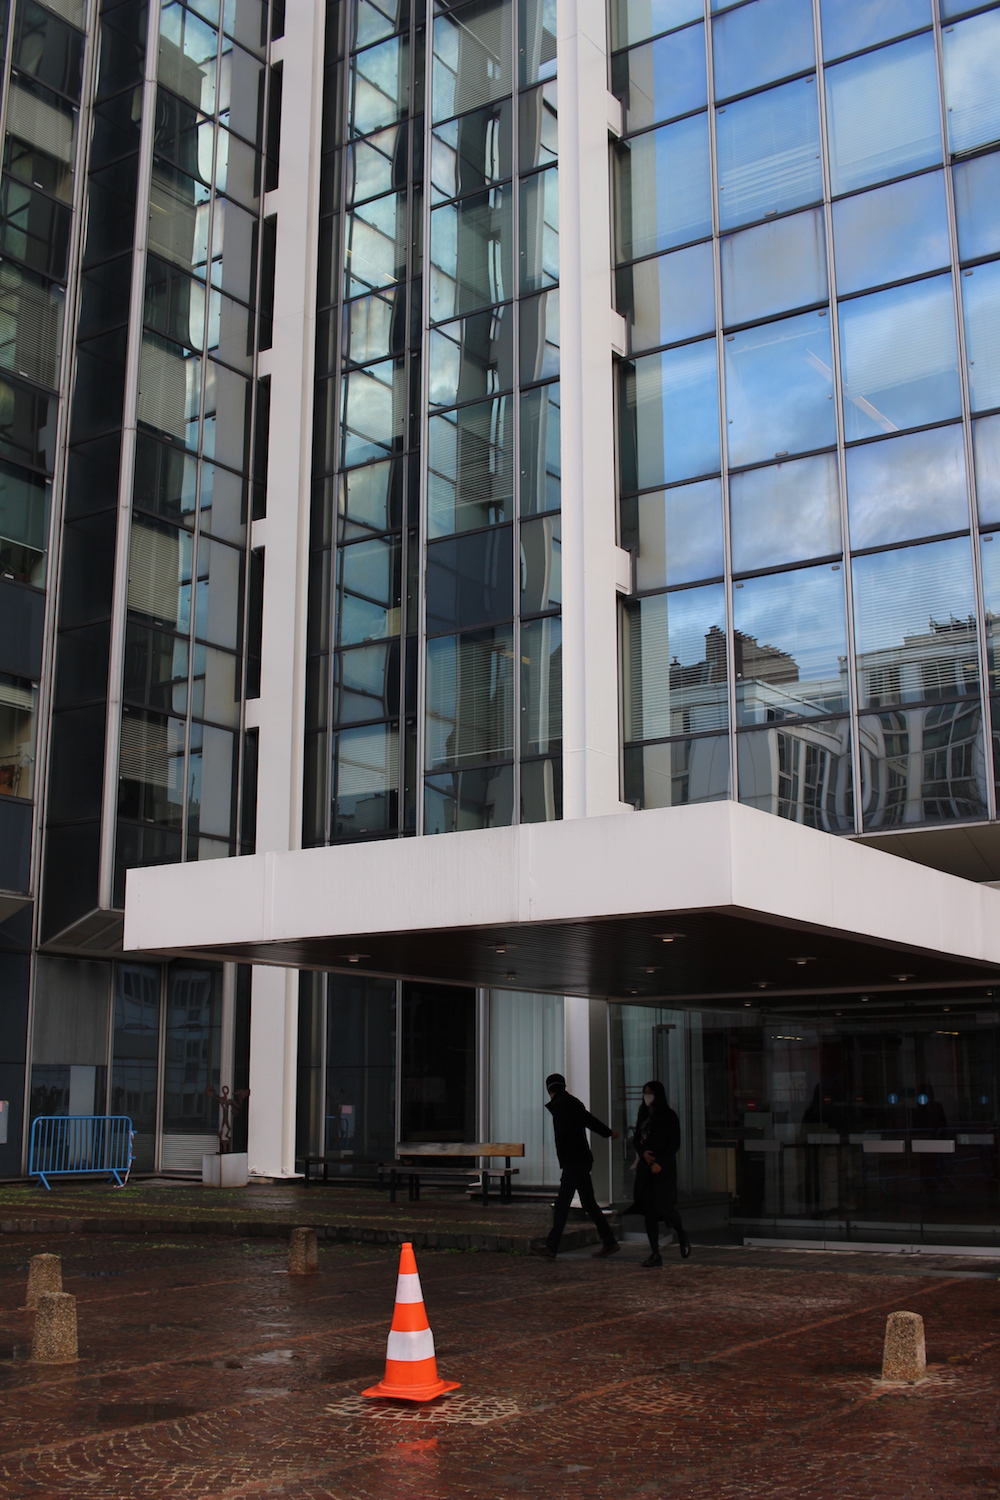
{"x": 72, "y": 1145}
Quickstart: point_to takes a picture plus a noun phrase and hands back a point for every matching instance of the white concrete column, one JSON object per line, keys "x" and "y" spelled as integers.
{"x": 589, "y": 532}
{"x": 279, "y": 712}
{"x": 576, "y": 1012}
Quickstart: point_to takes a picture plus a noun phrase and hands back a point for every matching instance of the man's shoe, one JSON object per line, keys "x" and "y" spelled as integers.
{"x": 685, "y": 1244}
{"x": 542, "y": 1251}
{"x": 606, "y": 1250}
{"x": 653, "y": 1260}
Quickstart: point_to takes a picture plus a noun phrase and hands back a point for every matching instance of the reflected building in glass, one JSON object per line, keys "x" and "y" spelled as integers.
{"x": 434, "y": 426}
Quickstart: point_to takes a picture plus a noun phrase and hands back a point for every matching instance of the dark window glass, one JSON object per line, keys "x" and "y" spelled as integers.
{"x": 470, "y": 580}
{"x": 541, "y": 791}
{"x": 366, "y": 683}
{"x": 27, "y": 424}
{"x": 439, "y": 1066}
{"x": 116, "y": 129}
{"x": 678, "y": 772}
{"x": 48, "y": 49}
{"x": 34, "y": 228}
{"x": 22, "y": 612}
{"x": 365, "y": 781}
{"x": 480, "y": 798}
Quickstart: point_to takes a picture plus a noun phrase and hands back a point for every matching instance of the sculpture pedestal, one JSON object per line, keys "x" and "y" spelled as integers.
{"x": 225, "y": 1171}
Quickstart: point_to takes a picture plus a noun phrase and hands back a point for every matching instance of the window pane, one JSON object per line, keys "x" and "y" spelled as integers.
{"x": 472, "y": 57}
{"x": 540, "y": 456}
{"x": 981, "y": 302}
{"x": 675, "y": 663}
{"x": 883, "y": 115}
{"x": 18, "y": 707}
{"x": 538, "y": 128}
{"x": 374, "y": 411}
{"x": 664, "y": 189}
{"x": 662, "y": 80}
{"x": 24, "y": 524}
{"x": 803, "y": 774}
{"x": 986, "y": 440}
{"x": 219, "y": 595}
{"x": 380, "y": 86}
{"x": 371, "y": 164}
{"x": 470, "y": 254}
{"x": 368, "y": 585}
{"x": 977, "y": 205}
{"x": 670, "y": 298}
{"x": 907, "y": 487}
{"x": 375, "y": 245}
{"x": 541, "y": 686}
{"x": 915, "y": 630}
{"x": 852, "y": 25}
{"x": 373, "y": 327}
{"x": 677, "y": 773}
{"x": 471, "y": 470}
{"x": 790, "y": 645}
{"x": 541, "y": 793}
{"x": 211, "y": 778}
{"x": 370, "y": 499}
{"x": 472, "y": 153}
{"x": 774, "y": 267}
{"x": 971, "y": 68}
{"x": 769, "y": 157}
{"x": 758, "y": 43}
{"x": 471, "y": 358}
{"x": 990, "y": 562}
{"x": 366, "y": 683}
{"x": 891, "y": 233}
{"x": 676, "y": 534}
{"x": 159, "y": 574}
{"x": 169, "y": 389}
{"x": 31, "y": 313}
{"x": 923, "y": 765}
{"x": 538, "y": 332}
{"x": 778, "y": 389}
{"x": 670, "y": 416}
{"x": 541, "y": 565}
{"x": 536, "y": 29}
{"x": 784, "y": 513}
{"x": 233, "y": 254}
{"x": 215, "y": 692}
{"x": 470, "y": 580}
{"x": 482, "y": 798}
{"x": 470, "y": 698}
{"x": 226, "y": 426}
{"x": 365, "y": 780}
{"x": 539, "y": 231}
{"x": 634, "y": 20}
{"x": 899, "y": 358}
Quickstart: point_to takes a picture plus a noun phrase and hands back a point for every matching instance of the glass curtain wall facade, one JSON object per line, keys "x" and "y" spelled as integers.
{"x": 806, "y": 240}
{"x": 434, "y": 687}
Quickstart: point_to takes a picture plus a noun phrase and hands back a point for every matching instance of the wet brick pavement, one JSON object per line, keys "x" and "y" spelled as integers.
{"x": 208, "y": 1373}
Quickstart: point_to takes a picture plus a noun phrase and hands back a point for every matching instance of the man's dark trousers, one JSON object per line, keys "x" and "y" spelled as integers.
{"x": 577, "y": 1180}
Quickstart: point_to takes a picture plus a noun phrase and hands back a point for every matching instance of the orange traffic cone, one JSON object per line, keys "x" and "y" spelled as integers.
{"x": 410, "y": 1366}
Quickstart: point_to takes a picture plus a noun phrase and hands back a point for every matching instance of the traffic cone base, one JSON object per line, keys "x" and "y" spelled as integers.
{"x": 410, "y": 1364}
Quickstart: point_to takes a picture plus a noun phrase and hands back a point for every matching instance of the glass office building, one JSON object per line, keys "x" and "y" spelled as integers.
{"x": 471, "y": 420}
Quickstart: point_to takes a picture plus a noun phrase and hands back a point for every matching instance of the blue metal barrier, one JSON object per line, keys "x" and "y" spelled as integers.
{"x": 71, "y": 1145}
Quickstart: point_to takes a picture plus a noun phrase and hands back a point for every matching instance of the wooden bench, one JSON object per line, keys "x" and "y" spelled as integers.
{"x": 373, "y": 1172}
{"x": 413, "y": 1170}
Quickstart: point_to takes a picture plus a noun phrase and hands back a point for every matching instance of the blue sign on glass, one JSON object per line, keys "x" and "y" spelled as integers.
{"x": 923, "y": 1098}
{"x": 893, "y": 1098}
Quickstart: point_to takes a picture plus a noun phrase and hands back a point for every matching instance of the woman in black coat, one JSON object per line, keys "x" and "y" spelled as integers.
{"x": 657, "y": 1140}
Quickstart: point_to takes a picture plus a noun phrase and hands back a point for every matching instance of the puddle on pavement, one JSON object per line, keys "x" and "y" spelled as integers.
{"x": 272, "y": 1357}
{"x": 134, "y": 1413}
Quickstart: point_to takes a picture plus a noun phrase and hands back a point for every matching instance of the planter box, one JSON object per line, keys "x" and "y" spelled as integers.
{"x": 225, "y": 1171}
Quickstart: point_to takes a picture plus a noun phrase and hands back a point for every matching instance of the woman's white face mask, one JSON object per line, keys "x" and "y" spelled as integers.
{"x": 648, "y": 1098}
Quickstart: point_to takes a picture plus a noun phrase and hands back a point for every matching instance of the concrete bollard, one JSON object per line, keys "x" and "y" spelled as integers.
{"x": 303, "y": 1257}
{"x": 44, "y": 1275}
{"x": 54, "y": 1339}
{"x": 904, "y": 1356}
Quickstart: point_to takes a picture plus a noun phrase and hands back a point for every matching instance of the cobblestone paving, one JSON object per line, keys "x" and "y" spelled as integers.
{"x": 207, "y": 1373}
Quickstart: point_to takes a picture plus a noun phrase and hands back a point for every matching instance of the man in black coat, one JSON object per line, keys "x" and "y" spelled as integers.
{"x": 571, "y": 1120}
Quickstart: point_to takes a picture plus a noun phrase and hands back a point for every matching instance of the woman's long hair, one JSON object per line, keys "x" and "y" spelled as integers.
{"x": 654, "y": 1087}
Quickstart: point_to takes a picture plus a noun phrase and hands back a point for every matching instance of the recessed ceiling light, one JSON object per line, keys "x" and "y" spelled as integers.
{"x": 353, "y": 958}
{"x": 902, "y": 977}
{"x": 670, "y": 937}
{"x": 650, "y": 971}
{"x": 500, "y": 949}
{"x": 807, "y": 959}
{"x": 748, "y": 1002}
{"x": 762, "y": 984}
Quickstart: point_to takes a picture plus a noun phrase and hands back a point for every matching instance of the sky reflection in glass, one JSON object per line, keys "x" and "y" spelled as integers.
{"x": 977, "y": 205}
{"x": 670, "y": 298}
{"x": 850, "y": 25}
{"x": 773, "y": 268}
{"x": 676, "y": 533}
{"x": 883, "y": 115}
{"x": 899, "y": 358}
{"x": 664, "y": 189}
{"x": 634, "y": 20}
{"x": 675, "y": 654}
{"x": 971, "y": 69}
{"x": 768, "y": 152}
{"x": 791, "y": 644}
{"x": 665, "y": 79}
{"x": 671, "y": 416}
{"x": 784, "y": 513}
{"x": 981, "y": 301}
{"x": 760, "y": 43}
{"x": 907, "y": 487}
{"x": 986, "y": 445}
{"x": 891, "y": 233}
{"x": 779, "y": 389}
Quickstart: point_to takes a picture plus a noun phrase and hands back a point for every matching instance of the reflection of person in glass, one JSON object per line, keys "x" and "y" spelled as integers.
{"x": 657, "y": 1140}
